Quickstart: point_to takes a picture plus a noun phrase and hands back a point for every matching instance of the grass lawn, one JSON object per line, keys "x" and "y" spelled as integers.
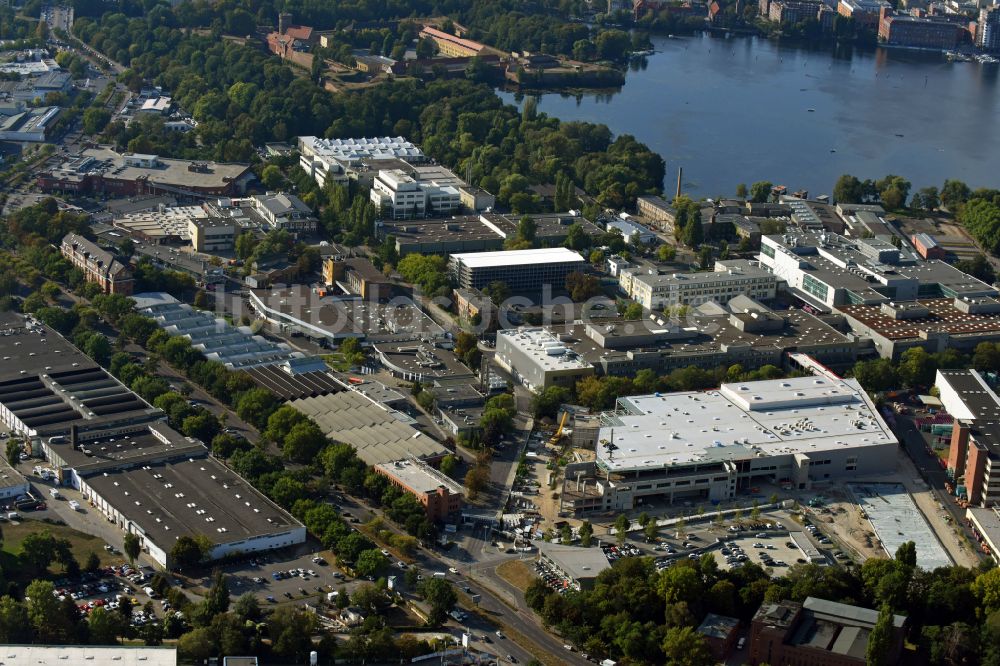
{"x": 82, "y": 544}
{"x": 517, "y": 573}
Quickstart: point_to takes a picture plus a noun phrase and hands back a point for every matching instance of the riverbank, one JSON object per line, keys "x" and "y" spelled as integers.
{"x": 735, "y": 110}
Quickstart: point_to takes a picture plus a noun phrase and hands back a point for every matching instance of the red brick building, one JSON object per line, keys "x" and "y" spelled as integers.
{"x": 918, "y": 31}
{"x": 98, "y": 265}
{"x": 817, "y": 632}
{"x": 439, "y": 495}
{"x": 975, "y": 438}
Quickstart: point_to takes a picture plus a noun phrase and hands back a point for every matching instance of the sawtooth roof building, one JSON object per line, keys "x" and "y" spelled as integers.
{"x": 235, "y": 347}
{"x": 706, "y": 446}
{"x": 117, "y": 450}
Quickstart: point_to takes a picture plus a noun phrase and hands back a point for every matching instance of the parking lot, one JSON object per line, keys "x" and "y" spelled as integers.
{"x": 109, "y": 588}
{"x": 279, "y": 577}
{"x": 773, "y": 551}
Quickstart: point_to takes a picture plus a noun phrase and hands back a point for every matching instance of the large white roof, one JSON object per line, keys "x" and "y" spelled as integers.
{"x": 80, "y": 655}
{"x": 548, "y": 255}
{"x": 805, "y": 415}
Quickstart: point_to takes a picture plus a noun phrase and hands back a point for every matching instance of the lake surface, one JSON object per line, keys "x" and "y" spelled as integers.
{"x": 737, "y": 110}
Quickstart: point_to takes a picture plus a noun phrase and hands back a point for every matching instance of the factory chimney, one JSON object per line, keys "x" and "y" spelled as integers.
{"x": 680, "y": 177}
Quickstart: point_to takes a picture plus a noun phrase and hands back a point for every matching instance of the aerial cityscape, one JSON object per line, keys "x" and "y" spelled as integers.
{"x": 629, "y": 333}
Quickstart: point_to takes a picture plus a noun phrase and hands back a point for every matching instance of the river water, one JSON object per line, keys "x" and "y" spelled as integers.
{"x": 745, "y": 109}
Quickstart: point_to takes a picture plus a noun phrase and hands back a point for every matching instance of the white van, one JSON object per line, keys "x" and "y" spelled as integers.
{"x": 150, "y": 592}
{"x": 439, "y": 574}
{"x": 54, "y": 492}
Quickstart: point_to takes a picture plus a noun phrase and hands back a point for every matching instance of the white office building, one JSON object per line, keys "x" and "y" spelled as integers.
{"x": 330, "y": 159}
{"x": 656, "y": 291}
{"x": 400, "y": 196}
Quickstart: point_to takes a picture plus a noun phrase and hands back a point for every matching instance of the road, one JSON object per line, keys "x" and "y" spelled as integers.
{"x": 932, "y": 472}
{"x": 503, "y": 609}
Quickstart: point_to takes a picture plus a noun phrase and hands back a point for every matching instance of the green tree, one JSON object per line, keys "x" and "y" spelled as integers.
{"x": 217, "y": 599}
{"x": 684, "y": 646}
{"x": 449, "y": 465}
{"x": 586, "y": 532}
{"x": 622, "y": 524}
{"x": 741, "y": 191}
{"x": 13, "y": 452}
{"x": 954, "y": 193}
{"x": 369, "y": 562}
{"x": 105, "y": 627}
{"x": 38, "y": 549}
{"x": 848, "y": 190}
{"x": 876, "y": 375}
{"x": 666, "y": 252}
{"x": 880, "y": 639}
{"x": 44, "y": 613}
{"x": 185, "y": 552}
{"x": 907, "y": 554}
{"x": 441, "y": 596}
{"x": 132, "y": 547}
{"x": 760, "y": 191}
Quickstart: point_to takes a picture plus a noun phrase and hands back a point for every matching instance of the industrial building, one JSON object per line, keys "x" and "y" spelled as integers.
{"x": 98, "y": 265}
{"x": 934, "y": 324}
{"x": 975, "y": 439}
{"x": 299, "y": 309}
{"x": 203, "y": 271}
{"x": 117, "y": 450}
{"x": 279, "y": 210}
{"x": 827, "y": 271}
{"x": 71, "y": 655}
{"x": 484, "y": 232}
{"x": 720, "y": 633}
{"x": 920, "y": 31}
{"x": 12, "y": 483}
{"x": 818, "y": 631}
{"x": 736, "y": 277}
{"x": 377, "y": 433}
{"x": 927, "y": 246}
{"x": 985, "y": 524}
{"x": 538, "y": 359}
{"x": 580, "y": 566}
{"x": 235, "y": 347}
{"x": 440, "y": 496}
{"x": 101, "y": 170}
{"x": 632, "y": 231}
{"x": 742, "y": 332}
{"x": 520, "y": 270}
{"x": 30, "y": 125}
{"x": 707, "y": 446}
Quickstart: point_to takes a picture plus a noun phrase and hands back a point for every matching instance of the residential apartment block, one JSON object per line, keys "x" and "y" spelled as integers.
{"x": 98, "y": 265}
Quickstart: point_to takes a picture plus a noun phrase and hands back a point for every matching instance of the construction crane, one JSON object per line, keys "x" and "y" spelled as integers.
{"x": 559, "y": 431}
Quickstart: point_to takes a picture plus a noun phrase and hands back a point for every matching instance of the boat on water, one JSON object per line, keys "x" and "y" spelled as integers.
{"x": 955, "y": 56}
{"x": 640, "y": 54}
{"x": 986, "y": 59}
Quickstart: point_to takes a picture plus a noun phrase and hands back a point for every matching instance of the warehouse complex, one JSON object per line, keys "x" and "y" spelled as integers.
{"x": 706, "y": 446}
{"x": 742, "y": 331}
{"x": 118, "y": 451}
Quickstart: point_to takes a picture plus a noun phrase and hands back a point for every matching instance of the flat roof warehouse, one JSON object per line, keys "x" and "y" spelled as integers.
{"x": 751, "y": 419}
{"x": 115, "y": 448}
